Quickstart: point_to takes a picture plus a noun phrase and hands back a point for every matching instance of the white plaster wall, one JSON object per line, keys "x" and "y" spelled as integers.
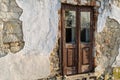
{"x": 40, "y": 24}
{"x": 24, "y": 66}
{"x": 107, "y": 9}
{"x": 40, "y": 29}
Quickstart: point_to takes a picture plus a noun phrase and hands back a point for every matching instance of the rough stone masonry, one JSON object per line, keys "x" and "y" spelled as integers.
{"x": 11, "y": 35}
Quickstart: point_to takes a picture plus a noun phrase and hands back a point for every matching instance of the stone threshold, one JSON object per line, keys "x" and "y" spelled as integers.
{"x": 86, "y": 76}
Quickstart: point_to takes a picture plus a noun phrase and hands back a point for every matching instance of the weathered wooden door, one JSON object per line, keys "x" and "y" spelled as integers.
{"x": 77, "y": 39}
{"x": 85, "y": 34}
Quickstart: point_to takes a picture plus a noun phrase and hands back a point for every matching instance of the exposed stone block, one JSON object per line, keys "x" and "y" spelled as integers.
{"x": 15, "y": 49}
{"x": 1, "y": 25}
{"x": 13, "y": 3}
{"x": 5, "y": 48}
{"x": 12, "y": 15}
{"x": 4, "y": 7}
{"x": 14, "y": 44}
{"x": 3, "y": 15}
{"x": 6, "y": 2}
{"x": 15, "y": 9}
{"x": 10, "y": 38}
{"x": 11, "y": 27}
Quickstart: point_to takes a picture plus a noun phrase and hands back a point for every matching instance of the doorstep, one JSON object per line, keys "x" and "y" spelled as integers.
{"x": 86, "y": 76}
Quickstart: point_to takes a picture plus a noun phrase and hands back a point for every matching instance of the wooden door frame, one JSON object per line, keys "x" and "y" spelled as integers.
{"x": 67, "y": 6}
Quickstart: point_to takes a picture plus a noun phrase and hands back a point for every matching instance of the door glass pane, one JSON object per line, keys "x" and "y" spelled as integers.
{"x": 70, "y": 24}
{"x": 85, "y": 26}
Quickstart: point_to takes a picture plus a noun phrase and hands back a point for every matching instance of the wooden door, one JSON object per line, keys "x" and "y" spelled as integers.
{"x": 69, "y": 38}
{"x": 76, "y": 39}
{"x": 85, "y": 34}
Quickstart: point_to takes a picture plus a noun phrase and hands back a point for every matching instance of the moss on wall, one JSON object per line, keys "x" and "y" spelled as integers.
{"x": 116, "y": 73}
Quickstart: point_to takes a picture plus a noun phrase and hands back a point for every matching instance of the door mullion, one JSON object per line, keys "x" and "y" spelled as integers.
{"x": 91, "y": 38}
{"x": 78, "y": 41}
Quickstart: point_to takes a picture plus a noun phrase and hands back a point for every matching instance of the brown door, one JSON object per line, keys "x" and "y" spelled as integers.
{"x": 77, "y": 39}
{"x": 85, "y": 34}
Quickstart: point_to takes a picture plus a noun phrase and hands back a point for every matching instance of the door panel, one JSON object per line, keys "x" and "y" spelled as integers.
{"x": 85, "y": 55}
{"x": 70, "y": 57}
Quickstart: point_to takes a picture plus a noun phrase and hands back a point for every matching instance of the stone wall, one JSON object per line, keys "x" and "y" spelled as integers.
{"x": 107, "y": 37}
{"x": 11, "y": 35}
{"x": 55, "y": 62}
{"x": 107, "y": 45}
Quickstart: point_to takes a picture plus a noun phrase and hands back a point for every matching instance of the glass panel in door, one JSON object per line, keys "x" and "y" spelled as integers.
{"x": 70, "y": 39}
{"x": 70, "y": 25}
{"x": 85, "y": 27}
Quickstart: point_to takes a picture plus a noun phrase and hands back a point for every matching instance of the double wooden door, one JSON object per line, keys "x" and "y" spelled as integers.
{"x": 77, "y": 39}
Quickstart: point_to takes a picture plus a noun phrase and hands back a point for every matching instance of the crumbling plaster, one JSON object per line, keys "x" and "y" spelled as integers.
{"x": 109, "y": 9}
{"x": 40, "y": 29}
{"x": 107, "y": 26}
